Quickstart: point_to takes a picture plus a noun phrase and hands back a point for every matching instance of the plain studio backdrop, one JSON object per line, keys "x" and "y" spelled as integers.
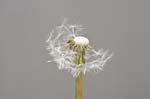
{"x": 123, "y": 26}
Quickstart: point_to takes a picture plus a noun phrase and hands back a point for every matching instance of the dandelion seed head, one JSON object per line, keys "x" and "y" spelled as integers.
{"x": 66, "y": 37}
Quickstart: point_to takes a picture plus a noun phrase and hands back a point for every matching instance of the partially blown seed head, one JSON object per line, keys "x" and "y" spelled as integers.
{"x": 64, "y": 53}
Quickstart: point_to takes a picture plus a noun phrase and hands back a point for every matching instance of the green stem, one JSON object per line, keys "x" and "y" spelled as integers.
{"x": 78, "y": 80}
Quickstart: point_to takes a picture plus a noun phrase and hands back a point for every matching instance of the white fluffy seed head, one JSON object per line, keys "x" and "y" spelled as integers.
{"x": 95, "y": 60}
{"x": 80, "y": 40}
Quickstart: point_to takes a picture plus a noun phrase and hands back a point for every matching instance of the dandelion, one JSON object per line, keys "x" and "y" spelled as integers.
{"x": 73, "y": 52}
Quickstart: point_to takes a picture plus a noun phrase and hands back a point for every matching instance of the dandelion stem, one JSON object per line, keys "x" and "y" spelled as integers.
{"x": 78, "y": 80}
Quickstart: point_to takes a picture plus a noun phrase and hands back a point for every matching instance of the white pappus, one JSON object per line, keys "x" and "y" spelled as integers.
{"x": 64, "y": 57}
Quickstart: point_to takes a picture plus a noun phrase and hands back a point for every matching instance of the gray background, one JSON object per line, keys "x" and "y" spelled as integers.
{"x": 123, "y": 26}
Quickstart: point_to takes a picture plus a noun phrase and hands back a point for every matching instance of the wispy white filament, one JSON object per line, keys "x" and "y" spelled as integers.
{"x": 64, "y": 57}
